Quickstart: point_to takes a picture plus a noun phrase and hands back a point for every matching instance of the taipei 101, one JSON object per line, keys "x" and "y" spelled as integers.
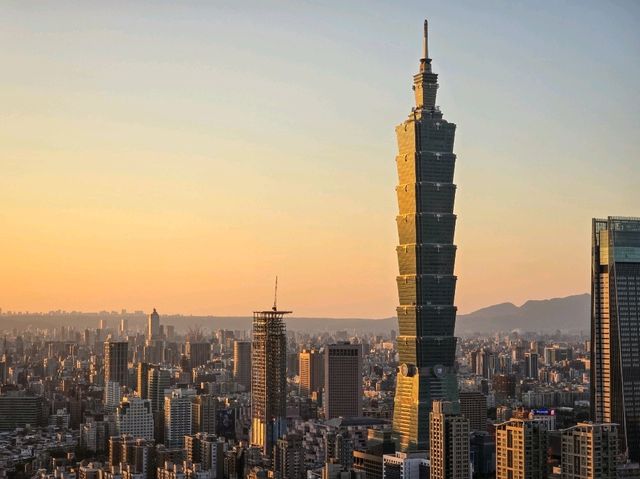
{"x": 320, "y": 240}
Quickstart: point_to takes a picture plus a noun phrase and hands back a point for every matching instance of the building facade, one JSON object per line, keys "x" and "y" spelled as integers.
{"x": 135, "y": 417}
{"x": 448, "y": 442}
{"x": 426, "y": 255}
{"x": 342, "y": 380}
{"x": 311, "y": 371}
{"x": 242, "y": 363}
{"x": 589, "y": 451}
{"x": 521, "y": 449}
{"x": 615, "y": 328}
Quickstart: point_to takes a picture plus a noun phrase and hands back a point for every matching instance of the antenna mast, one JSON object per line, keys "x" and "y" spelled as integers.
{"x": 275, "y": 296}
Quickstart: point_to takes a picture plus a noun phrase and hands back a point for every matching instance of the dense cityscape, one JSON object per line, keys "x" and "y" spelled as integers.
{"x": 122, "y": 395}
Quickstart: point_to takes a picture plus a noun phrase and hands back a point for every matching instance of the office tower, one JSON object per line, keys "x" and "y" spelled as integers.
{"x": 403, "y": 465}
{"x": 142, "y": 384}
{"x": 116, "y": 363}
{"x": 205, "y": 410}
{"x": 426, "y": 255}
{"x": 242, "y": 363}
{"x": 124, "y": 327}
{"x": 153, "y": 325}
{"x": 589, "y": 451}
{"x": 102, "y": 324}
{"x": 268, "y": 379}
{"x": 135, "y": 417}
{"x": 311, "y": 369}
{"x": 198, "y": 352}
{"x": 342, "y": 380}
{"x": 289, "y": 458}
{"x": 178, "y": 416}
{"x": 521, "y": 449}
{"x": 473, "y": 406}
{"x": 531, "y": 365}
{"x": 206, "y": 450}
{"x": 159, "y": 380}
{"x": 615, "y": 321}
{"x": 448, "y": 442}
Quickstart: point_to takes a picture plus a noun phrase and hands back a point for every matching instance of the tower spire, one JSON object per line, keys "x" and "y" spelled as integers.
{"x": 425, "y": 60}
{"x": 425, "y": 44}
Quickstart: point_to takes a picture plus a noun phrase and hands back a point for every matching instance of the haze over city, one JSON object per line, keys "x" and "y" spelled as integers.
{"x": 182, "y": 155}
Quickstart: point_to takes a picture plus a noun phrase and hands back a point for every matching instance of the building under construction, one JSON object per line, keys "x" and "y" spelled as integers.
{"x": 268, "y": 379}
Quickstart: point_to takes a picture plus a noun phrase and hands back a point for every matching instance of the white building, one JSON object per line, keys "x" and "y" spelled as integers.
{"x": 404, "y": 465}
{"x": 135, "y": 417}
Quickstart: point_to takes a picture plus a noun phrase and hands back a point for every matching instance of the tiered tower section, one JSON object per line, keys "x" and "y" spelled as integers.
{"x": 426, "y": 256}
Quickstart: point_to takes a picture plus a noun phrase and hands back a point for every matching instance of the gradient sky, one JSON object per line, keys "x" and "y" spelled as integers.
{"x": 181, "y": 154}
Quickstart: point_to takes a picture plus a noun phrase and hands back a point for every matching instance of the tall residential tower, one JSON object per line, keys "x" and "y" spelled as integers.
{"x": 426, "y": 255}
{"x": 615, "y": 328}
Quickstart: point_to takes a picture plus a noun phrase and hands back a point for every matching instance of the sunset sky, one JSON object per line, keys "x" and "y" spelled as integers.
{"x": 179, "y": 155}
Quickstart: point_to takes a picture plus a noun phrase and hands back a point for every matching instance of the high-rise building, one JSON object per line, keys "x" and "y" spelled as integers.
{"x": 159, "y": 380}
{"x": 589, "y": 451}
{"x": 311, "y": 370}
{"x": 473, "y": 406}
{"x": 289, "y": 458}
{"x": 205, "y": 409}
{"x": 521, "y": 449}
{"x": 531, "y": 365}
{"x": 135, "y": 417}
{"x": 198, "y": 352}
{"x": 153, "y": 325}
{"x": 124, "y": 327}
{"x": 206, "y": 450}
{"x": 178, "y": 416}
{"x": 242, "y": 363}
{"x": 116, "y": 363}
{"x": 268, "y": 379}
{"x": 342, "y": 380}
{"x": 142, "y": 383}
{"x": 426, "y": 255}
{"x": 448, "y": 442}
{"x": 615, "y": 321}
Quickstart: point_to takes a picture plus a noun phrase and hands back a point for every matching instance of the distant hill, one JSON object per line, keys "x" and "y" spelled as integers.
{"x": 570, "y": 313}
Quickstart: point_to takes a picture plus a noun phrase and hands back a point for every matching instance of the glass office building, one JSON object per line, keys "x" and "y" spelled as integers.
{"x": 426, "y": 255}
{"x": 615, "y": 328}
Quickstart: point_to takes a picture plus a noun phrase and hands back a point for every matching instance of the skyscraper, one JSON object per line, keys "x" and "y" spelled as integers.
{"x": 311, "y": 370}
{"x": 242, "y": 363}
{"x": 615, "y": 324}
{"x": 448, "y": 442}
{"x": 268, "y": 379}
{"x": 426, "y": 255}
{"x": 153, "y": 325}
{"x": 116, "y": 363}
{"x": 342, "y": 380}
{"x": 589, "y": 451}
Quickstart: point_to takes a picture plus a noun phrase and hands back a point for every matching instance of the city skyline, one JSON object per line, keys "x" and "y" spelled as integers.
{"x": 145, "y": 183}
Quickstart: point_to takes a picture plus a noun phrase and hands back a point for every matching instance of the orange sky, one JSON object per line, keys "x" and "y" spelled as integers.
{"x": 181, "y": 157}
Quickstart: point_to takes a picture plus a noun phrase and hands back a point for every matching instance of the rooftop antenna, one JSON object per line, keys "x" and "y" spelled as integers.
{"x": 275, "y": 296}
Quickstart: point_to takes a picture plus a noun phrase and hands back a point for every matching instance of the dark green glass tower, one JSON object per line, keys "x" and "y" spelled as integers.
{"x": 426, "y": 256}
